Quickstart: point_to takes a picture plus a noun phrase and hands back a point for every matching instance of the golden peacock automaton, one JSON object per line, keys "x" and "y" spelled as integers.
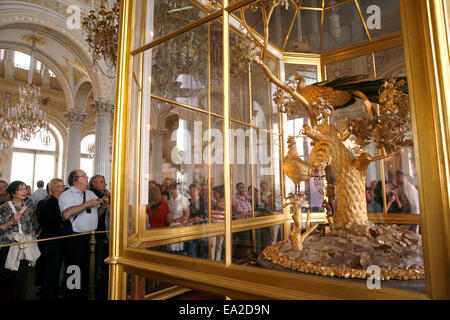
{"x": 348, "y": 243}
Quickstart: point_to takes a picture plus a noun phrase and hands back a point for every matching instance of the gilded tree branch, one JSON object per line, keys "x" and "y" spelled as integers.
{"x": 290, "y": 91}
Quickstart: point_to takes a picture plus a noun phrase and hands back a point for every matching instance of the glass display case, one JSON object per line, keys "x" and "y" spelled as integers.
{"x": 210, "y": 122}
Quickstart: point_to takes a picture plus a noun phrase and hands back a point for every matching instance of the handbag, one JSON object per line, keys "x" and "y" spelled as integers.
{"x": 66, "y": 227}
{"x": 29, "y": 251}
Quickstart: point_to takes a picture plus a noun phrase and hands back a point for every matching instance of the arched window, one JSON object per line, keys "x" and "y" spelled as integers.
{"x": 87, "y": 154}
{"x": 33, "y": 161}
{"x": 21, "y": 60}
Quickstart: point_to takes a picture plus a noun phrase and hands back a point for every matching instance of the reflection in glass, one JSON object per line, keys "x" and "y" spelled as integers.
{"x": 140, "y": 23}
{"x": 350, "y": 67}
{"x": 308, "y": 72}
{"x": 217, "y": 173}
{"x": 131, "y": 170}
{"x": 280, "y": 24}
{"x": 241, "y": 170}
{"x": 180, "y": 68}
{"x": 195, "y": 248}
{"x": 216, "y": 68}
{"x": 390, "y": 62}
{"x": 382, "y": 17}
{"x": 267, "y": 174}
{"x": 400, "y": 173}
{"x": 305, "y": 33}
{"x": 342, "y": 27}
{"x": 247, "y": 245}
{"x": 178, "y": 140}
{"x": 239, "y": 83}
{"x": 157, "y": 211}
{"x": 311, "y": 3}
{"x": 171, "y": 15}
{"x": 142, "y": 288}
{"x": 264, "y": 111}
{"x": 373, "y": 178}
{"x": 217, "y": 247}
{"x": 311, "y": 188}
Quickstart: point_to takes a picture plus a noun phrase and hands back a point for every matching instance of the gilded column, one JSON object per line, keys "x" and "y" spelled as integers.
{"x": 75, "y": 118}
{"x": 102, "y": 157}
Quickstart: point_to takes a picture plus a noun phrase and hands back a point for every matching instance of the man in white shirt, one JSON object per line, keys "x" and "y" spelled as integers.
{"x": 80, "y": 206}
{"x": 39, "y": 194}
{"x": 179, "y": 213}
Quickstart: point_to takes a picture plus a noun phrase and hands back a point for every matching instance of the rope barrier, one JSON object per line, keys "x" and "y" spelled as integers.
{"x": 54, "y": 238}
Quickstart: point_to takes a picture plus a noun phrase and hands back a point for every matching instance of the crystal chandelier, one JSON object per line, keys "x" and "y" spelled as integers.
{"x": 103, "y": 33}
{"x": 8, "y": 128}
{"x": 21, "y": 116}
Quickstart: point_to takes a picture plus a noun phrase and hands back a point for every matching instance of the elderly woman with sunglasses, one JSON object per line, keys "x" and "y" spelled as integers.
{"x": 16, "y": 222}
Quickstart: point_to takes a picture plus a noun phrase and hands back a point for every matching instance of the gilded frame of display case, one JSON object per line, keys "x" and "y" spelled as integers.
{"x": 424, "y": 24}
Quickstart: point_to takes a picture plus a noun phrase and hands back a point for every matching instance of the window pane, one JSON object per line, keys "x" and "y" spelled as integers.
{"x": 401, "y": 190}
{"x": 21, "y": 60}
{"x": 312, "y": 188}
{"x": 239, "y": 82}
{"x": 87, "y": 144}
{"x": 87, "y": 165}
{"x": 35, "y": 143}
{"x": 248, "y": 245}
{"x": 45, "y": 168}
{"x": 22, "y": 167}
{"x": 186, "y": 81}
{"x": 241, "y": 171}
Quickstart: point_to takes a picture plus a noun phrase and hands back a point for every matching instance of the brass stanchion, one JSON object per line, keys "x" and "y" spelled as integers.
{"x": 92, "y": 267}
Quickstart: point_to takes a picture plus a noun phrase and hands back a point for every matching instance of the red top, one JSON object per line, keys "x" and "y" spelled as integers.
{"x": 159, "y": 217}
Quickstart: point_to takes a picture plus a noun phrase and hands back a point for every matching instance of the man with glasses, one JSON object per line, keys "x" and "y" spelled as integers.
{"x": 97, "y": 184}
{"x": 79, "y": 205}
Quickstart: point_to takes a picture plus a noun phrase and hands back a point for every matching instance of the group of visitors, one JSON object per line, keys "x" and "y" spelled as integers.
{"x": 82, "y": 206}
{"x": 170, "y": 205}
{"x": 243, "y": 203}
{"x": 401, "y": 196}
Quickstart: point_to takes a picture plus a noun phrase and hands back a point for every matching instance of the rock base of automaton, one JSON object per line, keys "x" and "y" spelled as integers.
{"x": 391, "y": 251}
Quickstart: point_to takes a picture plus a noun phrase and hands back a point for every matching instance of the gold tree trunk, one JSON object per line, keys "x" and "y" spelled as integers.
{"x": 351, "y": 195}
{"x": 350, "y": 181}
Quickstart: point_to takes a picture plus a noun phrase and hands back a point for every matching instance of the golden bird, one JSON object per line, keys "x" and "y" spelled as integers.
{"x": 344, "y": 91}
{"x": 294, "y": 167}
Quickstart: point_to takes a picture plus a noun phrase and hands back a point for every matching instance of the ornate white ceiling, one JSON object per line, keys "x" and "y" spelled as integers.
{"x": 65, "y": 51}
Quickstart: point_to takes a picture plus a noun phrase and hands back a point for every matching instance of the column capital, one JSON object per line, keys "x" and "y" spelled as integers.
{"x": 102, "y": 108}
{"x": 157, "y": 132}
{"x": 75, "y": 117}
